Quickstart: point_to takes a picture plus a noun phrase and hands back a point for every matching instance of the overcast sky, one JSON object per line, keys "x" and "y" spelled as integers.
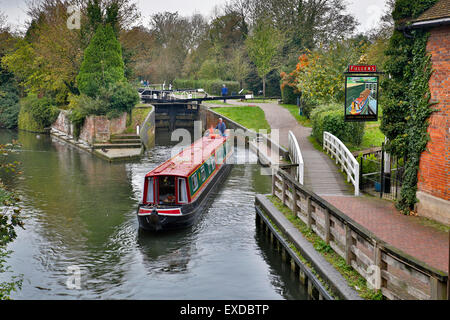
{"x": 368, "y": 12}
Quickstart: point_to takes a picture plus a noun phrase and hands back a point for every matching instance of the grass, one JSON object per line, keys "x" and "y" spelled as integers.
{"x": 138, "y": 115}
{"x": 249, "y": 117}
{"x": 354, "y": 279}
{"x": 302, "y": 120}
{"x": 217, "y": 102}
{"x": 258, "y": 100}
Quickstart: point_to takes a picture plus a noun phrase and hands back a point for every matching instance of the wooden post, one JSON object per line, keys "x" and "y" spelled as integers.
{"x": 308, "y": 211}
{"x": 327, "y": 226}
{"x": 293, "y": 265}
{"x": 310, "y": 288}
{"x": 294, "y": 198}
{"x": 438, "y": 289}
{"x": 302, "y": 276}
{"x": 274, "y": 180}
{"x": 283, "y": 191}
{"x": 348, "y": 244}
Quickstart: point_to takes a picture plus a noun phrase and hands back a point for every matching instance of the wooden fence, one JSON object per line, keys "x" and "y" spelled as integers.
{"x": 398, "y": 275}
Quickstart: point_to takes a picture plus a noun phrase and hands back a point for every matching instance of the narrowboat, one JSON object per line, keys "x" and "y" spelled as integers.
{"x": 360, "y": 104}
{"x": 176, "y": 192}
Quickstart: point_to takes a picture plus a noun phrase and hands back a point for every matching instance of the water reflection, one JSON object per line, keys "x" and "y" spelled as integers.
{"x": 81, "y": 211}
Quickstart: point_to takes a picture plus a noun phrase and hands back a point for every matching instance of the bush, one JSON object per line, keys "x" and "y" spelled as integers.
{"x": 330, "y": 118}
{"x": 36, "y": 114}
{"x": 288, "y": 96}
{"x": 213, "y": 87}
{"x": 121, "y": 97}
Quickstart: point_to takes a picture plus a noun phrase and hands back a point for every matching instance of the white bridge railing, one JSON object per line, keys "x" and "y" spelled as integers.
{"x": 296, "y": 157}
{"x": 344, "y": 157}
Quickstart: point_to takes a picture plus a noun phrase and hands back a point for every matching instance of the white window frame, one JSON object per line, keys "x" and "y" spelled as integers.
{"x": 150, "y": 190}
{"x": 183, "y": 183}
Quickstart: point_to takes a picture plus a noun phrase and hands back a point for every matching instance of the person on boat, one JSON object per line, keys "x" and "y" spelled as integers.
{"x": 221, "y": 127}
{"x": 224, "y": 93}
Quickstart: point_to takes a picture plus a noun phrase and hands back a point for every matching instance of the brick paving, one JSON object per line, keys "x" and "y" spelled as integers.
{"x": 406, "y": 233}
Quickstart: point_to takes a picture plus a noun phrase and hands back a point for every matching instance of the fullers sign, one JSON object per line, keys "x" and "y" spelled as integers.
{"x": 362, "y": 69}
{"x": 361, "y": 93}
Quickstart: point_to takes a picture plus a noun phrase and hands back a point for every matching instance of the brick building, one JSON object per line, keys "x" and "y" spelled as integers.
{"x": 433, "y": 179}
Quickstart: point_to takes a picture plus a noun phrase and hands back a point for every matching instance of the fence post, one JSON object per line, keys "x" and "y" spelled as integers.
{"x": 283, "y": 191}
{"x": 438, "y": 289}
{"x": 327, "y": 226}
{"x": 274, "y": 179}
{"x": 348, "y": 244}
{"x": 294, "y": 199}
{"x": 308, "y": 211}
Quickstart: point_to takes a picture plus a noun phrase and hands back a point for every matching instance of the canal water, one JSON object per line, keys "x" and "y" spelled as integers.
{"x": 80, "y": 212}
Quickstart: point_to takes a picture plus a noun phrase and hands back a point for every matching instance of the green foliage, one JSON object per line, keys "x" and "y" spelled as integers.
{"x": 102, "y": 65}
{"x": 288, "y": 95}
{"x": 407, "y": 107}
{"x": 9, "y": 100}
{"x": 263, "y": 47}
{"x": 9, "y": 221}
{"x": 36, "y": 114}
{"x": 120, "y": 97}
{"x": 330, "y": 118}
{"x": 212, "y": 87}
{"x": 370, "y": 163}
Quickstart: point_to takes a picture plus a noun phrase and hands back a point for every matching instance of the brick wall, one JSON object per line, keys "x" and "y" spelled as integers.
{"x": 434, "y": 169}
{"x": 95, "y": 128}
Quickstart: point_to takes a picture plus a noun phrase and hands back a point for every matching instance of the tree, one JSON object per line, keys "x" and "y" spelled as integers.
{"x": 240, "y": 67}
{"x": 263, "y": 46}
{"x": 102, "y": 65}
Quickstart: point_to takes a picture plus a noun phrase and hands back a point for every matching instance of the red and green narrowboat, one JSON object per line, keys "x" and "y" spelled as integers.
{"x": 176, "y": 192}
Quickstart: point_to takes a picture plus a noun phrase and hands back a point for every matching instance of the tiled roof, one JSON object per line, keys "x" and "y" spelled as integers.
{"x": 440, "y": 10}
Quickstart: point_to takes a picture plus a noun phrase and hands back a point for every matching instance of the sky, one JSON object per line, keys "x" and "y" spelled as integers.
{"x": 368, "y": 12}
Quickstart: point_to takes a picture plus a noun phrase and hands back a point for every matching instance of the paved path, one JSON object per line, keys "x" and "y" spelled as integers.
{"x": 321, "y": 174}
{"x": 406, "y": 233}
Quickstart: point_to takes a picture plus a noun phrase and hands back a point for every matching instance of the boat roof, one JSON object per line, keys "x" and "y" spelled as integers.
{"x": 188, "y": 160}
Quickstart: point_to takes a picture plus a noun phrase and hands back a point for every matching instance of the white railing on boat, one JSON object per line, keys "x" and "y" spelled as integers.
{"x": 296, "y": 157}
{"x": 344, "y": 157}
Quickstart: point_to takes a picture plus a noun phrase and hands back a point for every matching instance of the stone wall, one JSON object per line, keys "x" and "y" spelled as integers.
{"x": 434, "y": 171}
{"x": 147, "y": 131}
{"x": 95, "y": 129}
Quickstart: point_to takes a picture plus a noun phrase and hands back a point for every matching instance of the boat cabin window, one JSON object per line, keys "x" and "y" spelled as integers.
{"x": 182, "y": 191}
{"x": 203, "y": 173}
{"x": 150, "y": 191}
{"x": 167, "y": 190}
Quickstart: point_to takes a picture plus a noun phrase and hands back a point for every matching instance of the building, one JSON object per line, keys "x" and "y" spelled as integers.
{"x": 433, "y": 178}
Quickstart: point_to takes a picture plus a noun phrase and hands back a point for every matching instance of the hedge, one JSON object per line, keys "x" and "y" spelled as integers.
{"x": 330, "y": 118}
{"x": 213, "y": 87}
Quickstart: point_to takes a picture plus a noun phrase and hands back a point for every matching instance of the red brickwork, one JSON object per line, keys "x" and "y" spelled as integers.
{"x": 435, "y": 162}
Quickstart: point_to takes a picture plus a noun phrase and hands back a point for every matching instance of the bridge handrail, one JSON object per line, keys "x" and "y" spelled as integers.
{"x": 344, "y": 157}
{"x": 295, "y": 153}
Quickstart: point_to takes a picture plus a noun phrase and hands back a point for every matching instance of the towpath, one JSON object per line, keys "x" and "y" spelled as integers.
{"x": 413, "y": 235}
